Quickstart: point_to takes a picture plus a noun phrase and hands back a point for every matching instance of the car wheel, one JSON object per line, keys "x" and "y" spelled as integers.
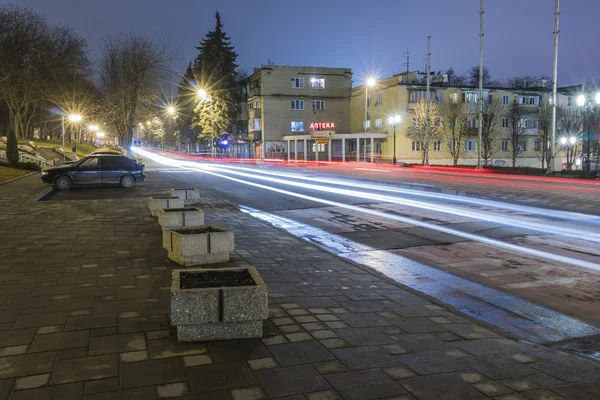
{"x": 63, "y": 183}
{"x": 127, "y": 181}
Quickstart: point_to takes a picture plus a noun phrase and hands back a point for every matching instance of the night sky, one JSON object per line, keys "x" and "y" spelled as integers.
{"x": 369, "y": 37}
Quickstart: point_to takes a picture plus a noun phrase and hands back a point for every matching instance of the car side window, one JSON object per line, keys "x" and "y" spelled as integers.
{"x": 90, "y": 163}
{"x": 111, "y": 162}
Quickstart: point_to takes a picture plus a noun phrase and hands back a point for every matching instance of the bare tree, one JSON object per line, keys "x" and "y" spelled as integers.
{"x": 35, "y": 59}
{"x": 569, "y": 125}
{"x": 455, "y": 128}
{"x": 131, "y": 70}
{"x": 544, "y": 132}
{"x": 517, "y": 131}
{"x": 492, "y": 113}
{"x": 418, "y": 132}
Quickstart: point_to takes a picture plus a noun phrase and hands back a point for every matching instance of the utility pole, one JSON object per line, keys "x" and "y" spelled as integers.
{"x": 480, "y": 102}
{"x": 554, "y": 84}
{"x": 428, "y": 98}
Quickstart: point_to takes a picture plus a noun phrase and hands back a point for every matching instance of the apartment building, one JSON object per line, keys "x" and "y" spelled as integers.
{"x": 400, "y": 94}
{"x": 285, "y": 105}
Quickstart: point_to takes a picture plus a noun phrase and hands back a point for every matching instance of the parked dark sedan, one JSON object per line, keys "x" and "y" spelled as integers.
{"x": 96, "y": 169}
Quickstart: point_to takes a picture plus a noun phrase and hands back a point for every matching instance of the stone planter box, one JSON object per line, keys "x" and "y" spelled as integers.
{"x": 218, "y": 304}
{"x": 198, "y": 245}
{"x": 180, "y": 217}
{"x": 189, "y": 196}
{"x": 156, "y": 204}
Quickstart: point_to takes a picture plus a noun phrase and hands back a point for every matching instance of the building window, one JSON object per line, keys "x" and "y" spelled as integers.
{"x": 254, "y": 124}
{"x": 452, "y": 145}
{"x": 522, "y": 146}
{"x": 505, "y": 145}
{"x": 320, "y": 146}
{"x": 454, "y": 98}
{"x": 416, "y": 95}
{"x": 318, "y": 105}
{"x": 506, "y": 100}
{"x": 529, "y": 100}
{"x": 570, "y": 101}
{"x": 378, "y": 100}
{"x": 416, "y": 145}
{"x": 297, "y": 104}
{"x": 253, "y": 105}
{"x": 297, "y": 126}
{"x": 368, "y": 102}
{"x": 437, "y": 145}
{"x": 367, "y": 124}
{"x": 317, "y": 83}
{"x": 470, "y": 145}
{"x": 297, "y": 83}
{"x": 472, "y": 122}
{"x": 537, "y": 146}
{"x": 528, "y": 122}
{"x": 505, "y": 122}
{"x": 378, "y": 123}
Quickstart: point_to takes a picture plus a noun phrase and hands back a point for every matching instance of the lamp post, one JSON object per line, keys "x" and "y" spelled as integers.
{"x": 93, "y": 128}
{"x": 394, "y": 121}
{"x": 370, "y": 82}
{"x": 170, "y": 112}
{"x": 75, "y": 118}
{"x": 589, "y": 108}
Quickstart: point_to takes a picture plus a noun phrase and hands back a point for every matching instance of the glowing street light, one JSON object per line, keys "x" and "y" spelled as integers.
{"x": 93, "y": 128}
{"x": 100, "y": 134}
{"x": 75, "y": 117}
{"x": 171, "y": 110}
{"x": 370, "y": 82}
{"x": 581, "y": 100}
{"x": 202, "y": 95}
{"x": 563, "y": 140}
{"x": 394, "y": 121}
{"x": 572, "y": 140}
{"x": 589, "y": 108}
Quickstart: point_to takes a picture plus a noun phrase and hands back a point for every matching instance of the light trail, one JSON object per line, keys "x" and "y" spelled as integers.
{"x": 479, "y": 202}
{"x": 477, "y": 238}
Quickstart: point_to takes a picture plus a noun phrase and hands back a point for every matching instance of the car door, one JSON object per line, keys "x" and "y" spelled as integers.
{"x": 112, "y": 169}
{"x": 89, "y": 171}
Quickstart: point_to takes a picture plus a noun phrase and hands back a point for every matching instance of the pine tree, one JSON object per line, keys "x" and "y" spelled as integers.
{"x": 186, "y": 103}
{"x": 215, "y": 71}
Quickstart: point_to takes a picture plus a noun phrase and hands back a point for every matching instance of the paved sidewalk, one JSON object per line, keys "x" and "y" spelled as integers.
{"x": 84, "y": 313}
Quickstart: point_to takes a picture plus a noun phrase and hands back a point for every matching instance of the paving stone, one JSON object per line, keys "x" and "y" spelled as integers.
{"x": 89, "y": 322}
{"x": 498, "y": 368}
{"x": 280, "y": 382}
{"x": 313, "y": 326}
{"x": 36, "y": 320}
{"x": 298, "y": 337}
{"x": 543, "y": 394}
{"x": 262, "y": 363}
{"x": 73, "y": 391}
{"x": 568, "y": 368}
{"x": 5, "y": 388}
{"x": 364, "y": 336}
{"x": 279, "y": 339}
{"x": 101, "y": 386}
{"x": 333, "y": 343}
{"x": 117, "y": 344}
{"x": 329, "y": 367}
{"x": 300, "y": 353}
{"x": 173, "y": 390}
{"x": 192, "y": 361}
{"x": 77, "y": 352}
{"x": 27, "y": 364}
{"x": 133, "y": 356}
{"x": 16, "y": 337}
{"x": 291, "y": 328}
{"x": 470, "y": 377}
{"x": 492, "y": 388}
{"x": 253, "y": 393}
{"x": 519, "y": 384}
{"x": 362, "y": 320}
{"x": 399, "y": 372}
{"x": 59, "y": 341}
{"x": 324, "y": 334}
{"x": 31, "y": 382}
{"x": 142, "y": 393}
{"x": 364, "y": 385}
{"x": 237, "y": 350}
{"x": 84, "y": 369}
{"x": 14, "y": 350}
{"x": 365, "y": 357}
{"x": 581, "y": 391}
{"x": 433, "y": 362}
{"x": 223, "y": 376}
{"x": 444, "y": 386}
{"x": 143, "y": 324}
{"x": 394, "y": 349}
{"x": 158, "y": 335}
{"x": 42, "y": 330}
{"x": 151, "y": 372}
{"x": 325, "y": 395}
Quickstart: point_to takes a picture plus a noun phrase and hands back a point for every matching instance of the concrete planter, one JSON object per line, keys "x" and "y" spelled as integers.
{"x": 180, "y": 217}
{"x": 215, "y": 307}
{"x": 156, "y": 204}
{"x": 189, "y": 196}
{"x": 198, "y": 245}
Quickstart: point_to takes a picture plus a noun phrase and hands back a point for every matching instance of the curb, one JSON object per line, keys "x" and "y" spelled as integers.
{"x": 18, "y": 177}
{"x": 42, "y": 194}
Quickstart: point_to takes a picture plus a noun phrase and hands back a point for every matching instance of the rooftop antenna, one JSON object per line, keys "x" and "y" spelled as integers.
{"x": 407, "y": 62}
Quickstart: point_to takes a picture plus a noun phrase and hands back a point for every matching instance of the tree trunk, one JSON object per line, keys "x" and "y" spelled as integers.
{"x": 12, "y": 149}
{"x": 455, "y": 162}
{"x": 514, "y": 162}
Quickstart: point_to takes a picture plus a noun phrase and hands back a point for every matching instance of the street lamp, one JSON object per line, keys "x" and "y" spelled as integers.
{"x": 202, "y": 95}
{"x": 589, "y": 108}
{"x": 370, "y": 82}
{"x": 73, "y": 118}
{"x": 394, "y": 121}
{"x": 171, "y": 110}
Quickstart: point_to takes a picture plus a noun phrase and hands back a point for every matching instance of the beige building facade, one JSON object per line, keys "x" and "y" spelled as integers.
{"x": 283, "y": 103}
{"x": 399, "y": 95}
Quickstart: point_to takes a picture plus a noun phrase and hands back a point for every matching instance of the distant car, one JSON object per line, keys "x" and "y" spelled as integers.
{"x": 102, "y": 169}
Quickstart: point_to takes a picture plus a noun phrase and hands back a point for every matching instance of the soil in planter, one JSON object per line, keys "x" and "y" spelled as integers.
{"x": 210, "y": 279}
{"x": 204, "y": 229}
{"x": 164, "y": 197}
{"x": 180, "y": 209}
